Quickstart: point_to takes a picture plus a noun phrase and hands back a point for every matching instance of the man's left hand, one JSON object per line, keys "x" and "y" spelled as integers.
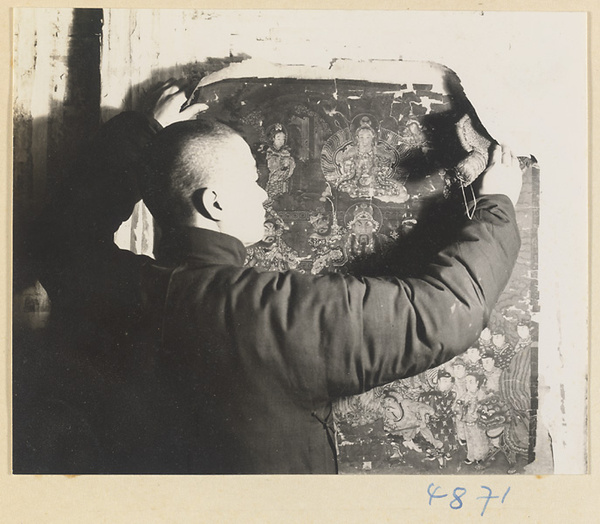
{"x": 164, "y": 105}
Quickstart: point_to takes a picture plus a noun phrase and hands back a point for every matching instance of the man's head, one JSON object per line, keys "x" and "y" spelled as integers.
{"x": 202, "y": 174}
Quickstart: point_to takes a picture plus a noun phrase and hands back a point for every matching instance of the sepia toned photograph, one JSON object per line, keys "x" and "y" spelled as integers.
{"x": 276, "y": 242}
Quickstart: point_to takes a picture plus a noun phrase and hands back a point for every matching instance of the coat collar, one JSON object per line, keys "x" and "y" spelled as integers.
{"x": 202, "y": 245}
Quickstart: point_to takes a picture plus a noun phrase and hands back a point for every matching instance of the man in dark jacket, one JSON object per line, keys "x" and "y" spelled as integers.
{"x": 245, "y": 363}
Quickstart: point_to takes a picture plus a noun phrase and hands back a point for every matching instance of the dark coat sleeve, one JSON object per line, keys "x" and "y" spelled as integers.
{"x": 336, "y": 335}
{"x": 101, "y": 189}
{"x": 408, "y": 326}
{"x": 97, "y": 195}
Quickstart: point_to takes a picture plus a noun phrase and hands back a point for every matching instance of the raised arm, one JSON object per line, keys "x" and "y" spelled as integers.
{"x": 334, "y": 335}
{"x": 411, "y": 325}
{"x": 101, "y": 189}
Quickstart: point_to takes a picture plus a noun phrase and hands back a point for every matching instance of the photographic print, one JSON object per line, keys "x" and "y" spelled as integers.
{"x": 371, "y": 153}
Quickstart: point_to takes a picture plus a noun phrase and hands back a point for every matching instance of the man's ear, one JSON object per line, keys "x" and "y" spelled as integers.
{"x": 206, "y": 202}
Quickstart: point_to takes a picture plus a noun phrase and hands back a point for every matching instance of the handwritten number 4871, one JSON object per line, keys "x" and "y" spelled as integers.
{"x": 456, "y": 501}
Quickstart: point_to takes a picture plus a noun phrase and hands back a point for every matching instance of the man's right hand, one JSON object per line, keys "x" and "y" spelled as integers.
{"x": 503, "y": 175}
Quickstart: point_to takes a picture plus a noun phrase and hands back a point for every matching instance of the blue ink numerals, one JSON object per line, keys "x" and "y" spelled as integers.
{"x": 456, "y": 498}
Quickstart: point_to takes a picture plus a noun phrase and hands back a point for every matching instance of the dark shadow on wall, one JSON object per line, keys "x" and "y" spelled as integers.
{"x": 65, "y": 129}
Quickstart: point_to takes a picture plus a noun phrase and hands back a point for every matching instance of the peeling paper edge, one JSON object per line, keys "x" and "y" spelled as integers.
{"x": 373, "y": 71}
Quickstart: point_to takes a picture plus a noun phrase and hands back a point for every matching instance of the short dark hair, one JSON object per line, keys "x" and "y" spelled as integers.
{"x": 180, "y": 160}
